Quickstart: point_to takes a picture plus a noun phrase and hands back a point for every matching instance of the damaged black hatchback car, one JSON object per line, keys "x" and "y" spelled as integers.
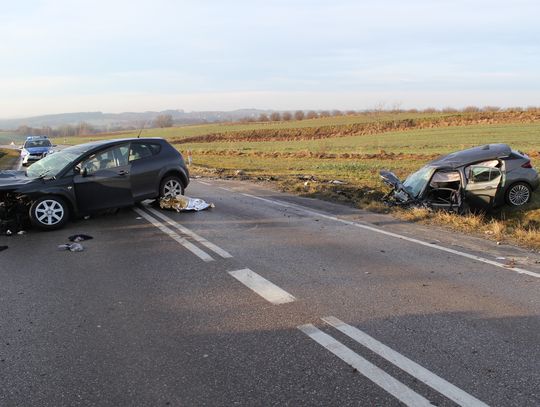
{"x": 481, "y": 178}
{"x": 89, "y": 178}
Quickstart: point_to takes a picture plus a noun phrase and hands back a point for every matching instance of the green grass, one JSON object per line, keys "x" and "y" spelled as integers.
{"x": 7, "y": 137}
{"x": 425, "y": 141}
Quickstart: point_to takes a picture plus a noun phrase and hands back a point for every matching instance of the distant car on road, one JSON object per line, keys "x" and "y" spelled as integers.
{"x": 483, "y": 177}
{"x": 91, "y": 177}
{"x": 35, "y": 148}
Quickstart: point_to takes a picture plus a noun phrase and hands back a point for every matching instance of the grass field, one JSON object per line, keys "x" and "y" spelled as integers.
{"x": 203, "y": 129}
{"x": 303, "y": 156}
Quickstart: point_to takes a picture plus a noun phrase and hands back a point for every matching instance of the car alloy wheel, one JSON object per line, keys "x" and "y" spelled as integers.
{"x": 49, "y": 212}
{"x": 519, "y": 194}
{"x": 172, "y": 187}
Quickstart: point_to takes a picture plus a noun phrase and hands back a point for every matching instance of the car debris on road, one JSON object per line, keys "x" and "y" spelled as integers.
{"x": 484, "y": 178}
{"x": 72, "y": 247}
{"x": 182, "y": 203}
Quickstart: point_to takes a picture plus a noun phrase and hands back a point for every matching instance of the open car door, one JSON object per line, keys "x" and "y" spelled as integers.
{"x": 482, "y": 185}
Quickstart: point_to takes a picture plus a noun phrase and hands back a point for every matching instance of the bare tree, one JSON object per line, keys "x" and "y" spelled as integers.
{"x": 263, "y": 117}
{"x": 299, "y": 115}
{"x": 337, "y": 112}
{"x": 312, "y": 114}
{"x": 275, "y": 117}
{"x": 324, "y": 113}
{"x": 287, "y": 116}
{"x": 163, "y": 120}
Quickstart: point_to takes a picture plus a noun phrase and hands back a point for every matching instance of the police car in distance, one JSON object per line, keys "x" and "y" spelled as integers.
{"x": 35, "y": 148}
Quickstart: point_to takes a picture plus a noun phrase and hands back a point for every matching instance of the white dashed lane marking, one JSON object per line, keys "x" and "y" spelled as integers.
{"x": 269, "y": 291}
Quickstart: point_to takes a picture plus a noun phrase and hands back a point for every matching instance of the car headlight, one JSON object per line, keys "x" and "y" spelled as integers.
{"x": 24, "y": 153}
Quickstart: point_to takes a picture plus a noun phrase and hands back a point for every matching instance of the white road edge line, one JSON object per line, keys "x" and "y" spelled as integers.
{"x": 225, "y": 189}
{"x": 409, "y": 239}
{"x": 414, "y": 369}
{"x": 204, "y": 183}
{"x": 269, "y": 291}
{"x": 186, "y": 231}
{"x": 188, "y": 245}
{"x": 378, "y": 376}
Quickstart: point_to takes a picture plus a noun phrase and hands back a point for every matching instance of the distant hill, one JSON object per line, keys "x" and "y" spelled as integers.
{"x": 127, "y": 119}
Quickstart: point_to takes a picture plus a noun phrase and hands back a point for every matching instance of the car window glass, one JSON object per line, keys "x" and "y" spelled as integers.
{"x": 416, "y": 182}
{"x": 107, "y": 159}
{"x": 484, "y": 174}
{"x": 37, "y": 143}
{"x": 139, "y": 151}
{"x": 156, "y": 148}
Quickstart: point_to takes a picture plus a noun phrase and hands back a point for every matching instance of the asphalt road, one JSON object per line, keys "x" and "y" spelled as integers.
{"x": 267, "y": 299}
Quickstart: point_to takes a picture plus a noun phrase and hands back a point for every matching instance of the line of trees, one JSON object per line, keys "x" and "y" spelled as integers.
{"x": 312, "y": 114}
{"x": 67, "y": 130}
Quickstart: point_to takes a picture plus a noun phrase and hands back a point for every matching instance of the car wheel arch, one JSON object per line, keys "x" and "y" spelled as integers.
{"x": 177, "y": 173}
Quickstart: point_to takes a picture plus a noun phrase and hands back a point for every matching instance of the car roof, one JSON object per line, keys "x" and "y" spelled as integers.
{"x": 472, "y": 155}
{"x": 103, "y": 143}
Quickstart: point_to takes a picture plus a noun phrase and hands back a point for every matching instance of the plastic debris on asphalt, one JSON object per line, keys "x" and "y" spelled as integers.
{"x": 182, "y": 203}
{"x": 72, "y": 247}
{"x": 79, "y": 238}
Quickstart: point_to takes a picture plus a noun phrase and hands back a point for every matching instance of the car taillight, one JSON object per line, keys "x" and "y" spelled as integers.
{"x": 527, "y": 165}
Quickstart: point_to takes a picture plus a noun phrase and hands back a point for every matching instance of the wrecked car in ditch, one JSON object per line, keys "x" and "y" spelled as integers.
{"x": 90, "y": 178}
{"x": 480, "y": 178}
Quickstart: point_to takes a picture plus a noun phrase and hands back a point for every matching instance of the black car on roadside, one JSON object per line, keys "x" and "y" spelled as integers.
{"x": 92, "y": 177}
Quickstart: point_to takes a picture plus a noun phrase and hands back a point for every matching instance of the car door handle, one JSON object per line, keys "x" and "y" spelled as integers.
{"x": 123, "y": 172}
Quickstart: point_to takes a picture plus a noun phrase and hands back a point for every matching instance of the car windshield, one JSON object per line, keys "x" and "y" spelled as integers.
{"x": 415, "y": 183}
{"x": 37, "y": 143}
{"x": 52, "y": 164}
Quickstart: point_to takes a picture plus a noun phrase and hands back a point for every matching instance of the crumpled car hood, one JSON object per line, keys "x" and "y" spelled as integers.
{"x": 11, "y": 179}
{"x": 398, "y": 189}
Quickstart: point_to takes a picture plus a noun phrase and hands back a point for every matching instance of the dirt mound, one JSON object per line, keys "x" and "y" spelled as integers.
{"x": 315, "y": 133}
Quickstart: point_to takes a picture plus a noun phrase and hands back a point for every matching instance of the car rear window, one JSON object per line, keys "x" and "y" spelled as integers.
{"x": 143, "y": 150}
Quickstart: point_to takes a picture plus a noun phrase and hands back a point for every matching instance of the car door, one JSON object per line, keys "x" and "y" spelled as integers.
{"x": 482, "y": 185}
{"x": 145, "y": 169}
{"x": 103, "y": 180}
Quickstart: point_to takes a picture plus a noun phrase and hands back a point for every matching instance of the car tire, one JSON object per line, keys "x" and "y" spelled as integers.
{"x": 518, "y": 194}
{"x": 171, "y": 186}
{"x": 49, "y": 212}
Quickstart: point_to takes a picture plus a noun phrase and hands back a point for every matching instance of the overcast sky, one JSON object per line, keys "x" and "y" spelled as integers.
{"x": 134, "y": 55}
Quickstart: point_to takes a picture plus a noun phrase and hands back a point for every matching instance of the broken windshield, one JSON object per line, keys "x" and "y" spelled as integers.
{"x": 415, "y": 183}
{"x": 51, "y": 165}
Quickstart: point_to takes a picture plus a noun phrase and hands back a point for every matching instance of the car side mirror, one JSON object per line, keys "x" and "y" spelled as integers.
{"x": 84, "y": 172}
